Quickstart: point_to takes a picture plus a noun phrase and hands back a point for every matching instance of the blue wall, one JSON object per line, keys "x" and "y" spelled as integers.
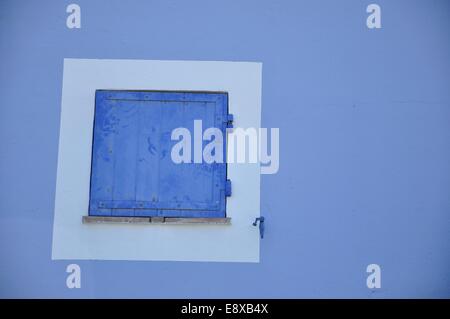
{"x": 364, "y": 153}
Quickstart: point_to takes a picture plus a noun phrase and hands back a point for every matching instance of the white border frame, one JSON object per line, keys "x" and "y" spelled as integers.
{"x": 238, "y": 242}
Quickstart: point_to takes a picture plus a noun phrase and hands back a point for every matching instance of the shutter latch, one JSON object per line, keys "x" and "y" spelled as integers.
{"x": 261, "y": 225}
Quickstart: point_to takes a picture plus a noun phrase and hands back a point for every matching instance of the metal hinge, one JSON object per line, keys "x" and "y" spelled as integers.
{"x": 229, "y": 121}
{"x": 228, "y": 188}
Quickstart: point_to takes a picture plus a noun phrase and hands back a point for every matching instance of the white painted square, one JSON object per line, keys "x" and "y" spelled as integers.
{"x": 238, "y": 242}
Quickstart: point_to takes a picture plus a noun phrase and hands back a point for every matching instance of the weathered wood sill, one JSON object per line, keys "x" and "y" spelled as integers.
{"x": 154, "y": 220}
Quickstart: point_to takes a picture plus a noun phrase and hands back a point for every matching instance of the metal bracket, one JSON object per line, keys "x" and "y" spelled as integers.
{"x": 261, "y": 225}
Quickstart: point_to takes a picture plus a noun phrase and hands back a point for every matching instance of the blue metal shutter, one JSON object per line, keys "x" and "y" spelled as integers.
{"x": 132, "y": 172}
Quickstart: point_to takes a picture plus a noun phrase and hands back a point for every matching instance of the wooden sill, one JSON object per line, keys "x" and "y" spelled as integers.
{"x": 155, "y": 220}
